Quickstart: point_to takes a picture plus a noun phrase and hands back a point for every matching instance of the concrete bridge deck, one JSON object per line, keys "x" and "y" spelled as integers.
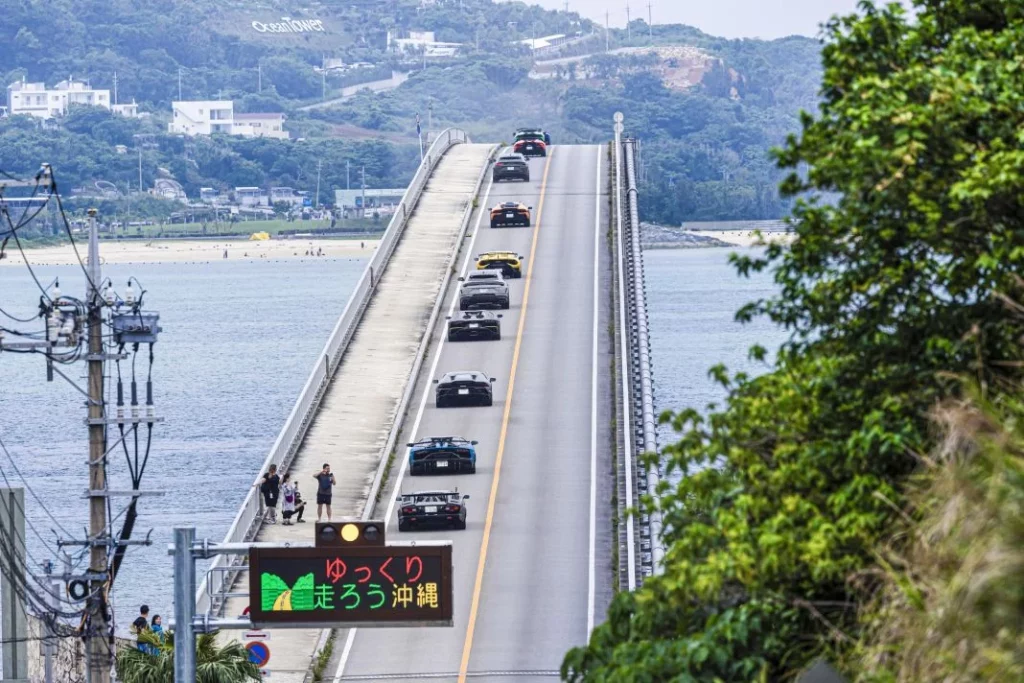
{"x": 355, "y": 417}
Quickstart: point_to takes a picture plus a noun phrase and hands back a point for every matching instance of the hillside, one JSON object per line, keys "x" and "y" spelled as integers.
{"x": 708, "y": 109}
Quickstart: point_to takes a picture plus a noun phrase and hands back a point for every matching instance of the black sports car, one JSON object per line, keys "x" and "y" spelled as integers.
{"x": 464, "y": 388}
{"x": 509, "y": 167}
{"x": 432, "y": 509}
{"x": 474, "y": 325}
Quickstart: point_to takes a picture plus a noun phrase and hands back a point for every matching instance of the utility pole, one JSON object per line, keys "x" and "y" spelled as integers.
{"x": 348, "y": 174}
{"x": 650, "y": 21}
{"x": 364, "y": 191}
{"x": 184, "y": 605}
{"x": 50, "y": 630}
{"x": 259, "y": 77}
{"x": 140, "y": 170}
{"x": 430, "y": 116}
{"x": 99, "y": 650}
{"x": 629, "y": 33}
{"x": 179, "y": 84}
{"x": 319, "y": 164}
{"x": 115, "y": 87}
{"x": 15, "y": 622}
{"x": 607, "y": 34}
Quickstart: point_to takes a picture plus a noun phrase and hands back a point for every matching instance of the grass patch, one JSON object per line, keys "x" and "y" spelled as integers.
{"x": 323, "y": 658}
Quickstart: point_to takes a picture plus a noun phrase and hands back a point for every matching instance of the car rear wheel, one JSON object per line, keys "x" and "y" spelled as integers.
{"x": 488, "y": 402}
{"x": 403, "y": 526}
{"x": 471, "y": 469}
{"x": 441, "y": 402}
{"x": 461, "y": 524}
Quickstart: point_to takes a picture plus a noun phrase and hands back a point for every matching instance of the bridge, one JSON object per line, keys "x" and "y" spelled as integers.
{"x": 548, "y": 541}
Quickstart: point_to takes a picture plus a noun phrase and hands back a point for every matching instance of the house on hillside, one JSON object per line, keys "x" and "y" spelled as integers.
{"x": 35, "y": 99}
{"x": 421, "y": 43}
{"x": 206, "y": 117}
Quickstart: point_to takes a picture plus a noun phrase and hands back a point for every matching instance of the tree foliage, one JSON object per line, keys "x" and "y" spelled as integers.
{"x": 228, "y": 663}
{"x": 782, "y": 497}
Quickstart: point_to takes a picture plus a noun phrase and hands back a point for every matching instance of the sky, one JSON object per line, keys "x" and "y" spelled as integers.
{"x": 728, "y": 18}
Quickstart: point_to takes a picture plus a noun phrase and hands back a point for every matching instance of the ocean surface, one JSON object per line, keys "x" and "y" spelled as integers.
{"x": 692, "y": 298}
{"x": 239, "y": 341}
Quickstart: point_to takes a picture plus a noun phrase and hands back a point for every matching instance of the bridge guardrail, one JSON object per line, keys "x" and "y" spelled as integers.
{"x": 645, "y": 418}
{"x": 224, "y": 569}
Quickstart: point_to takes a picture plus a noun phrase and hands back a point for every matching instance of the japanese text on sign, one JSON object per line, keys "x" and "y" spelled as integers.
{"x": 323, "y": 585}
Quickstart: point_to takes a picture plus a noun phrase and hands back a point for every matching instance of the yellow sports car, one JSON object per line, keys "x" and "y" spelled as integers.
{"x": 511, "y": 263}
{"x": 510, "y": 213}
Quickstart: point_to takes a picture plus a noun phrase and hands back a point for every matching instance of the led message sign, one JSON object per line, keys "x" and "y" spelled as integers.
{"x": 393, "y": 585}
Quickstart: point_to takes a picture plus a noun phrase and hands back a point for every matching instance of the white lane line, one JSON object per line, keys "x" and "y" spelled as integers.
{"x": 592, "y": 570}
{"x": 419, "y": 413}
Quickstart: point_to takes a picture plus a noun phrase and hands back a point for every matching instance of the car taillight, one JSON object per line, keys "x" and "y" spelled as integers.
{"x": 408, "y": 511}
{"x": 499, "y": 164}
{"x": 452, "y": 508}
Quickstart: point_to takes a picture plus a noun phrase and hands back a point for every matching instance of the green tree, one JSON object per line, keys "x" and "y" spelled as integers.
{"x": 215, "y": 663}
{"x": 784, "y": 495}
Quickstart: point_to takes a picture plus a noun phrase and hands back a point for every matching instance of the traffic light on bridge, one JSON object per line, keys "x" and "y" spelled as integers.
{"x": 349, "y": 533}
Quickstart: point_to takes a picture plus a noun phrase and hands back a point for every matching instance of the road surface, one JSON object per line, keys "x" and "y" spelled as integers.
{"x": 538, "y": 513}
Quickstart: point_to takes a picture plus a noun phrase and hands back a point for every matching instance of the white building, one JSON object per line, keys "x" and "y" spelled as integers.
{"x": 33, "y": 99}
{"x": 207, "y": 117}
{"x": 422, "y": 42}
{"x": 260, "y": 125}
{"x": 130, "y": 111}
{"x": 202, "y": 117}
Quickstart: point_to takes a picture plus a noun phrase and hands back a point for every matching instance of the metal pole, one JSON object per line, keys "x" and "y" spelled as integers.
{"x": 650, "y": 22}
{"x": 179, "y": 84}
{"x": 319, "y": 163}
{"x": 364, "y": 192}
{"x": 259, "y": 77}
{"x": 430, "y": 116}
{"x": 140, "y": 170}
{"x": 607, "y": 36}
{"x": 50, "y": 631}
{"x": 348, "y": 174}
{"x": 98, "y": 649}
{"x": 15, "y": 624}
{"x": 184, "y": 605}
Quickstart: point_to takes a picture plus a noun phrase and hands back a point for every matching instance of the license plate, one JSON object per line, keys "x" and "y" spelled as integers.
{"x": 430, "y": 508}
{"x": 442, "y": 463}
{"x": 510, "y": 215}
{"x": 463, "y": 392}
{"x": 472, "y": 325}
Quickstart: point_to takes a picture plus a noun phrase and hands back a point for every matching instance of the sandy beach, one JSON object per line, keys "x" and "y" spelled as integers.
{"x": 744, "y": 238}
{"x": 195, "y": 251}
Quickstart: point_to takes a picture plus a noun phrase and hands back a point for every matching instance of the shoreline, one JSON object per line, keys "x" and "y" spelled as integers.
{"x": 712, "y": 239}
{"x": 137, "y": 252}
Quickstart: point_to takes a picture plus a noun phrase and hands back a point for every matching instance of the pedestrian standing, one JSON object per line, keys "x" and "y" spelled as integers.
{"x": 271, "y": 488}
{"x": 141, "y": 625}
{"x": 325, "y": 486}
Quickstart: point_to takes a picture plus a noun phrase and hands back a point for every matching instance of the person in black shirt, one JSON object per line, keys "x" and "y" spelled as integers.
{"x": 325, "y": 484}
{"x": 141, "y": 624}
{"x": 271, "y": 488}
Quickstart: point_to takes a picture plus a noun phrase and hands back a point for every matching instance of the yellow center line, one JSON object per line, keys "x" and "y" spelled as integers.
{"x": 467, "y": 648}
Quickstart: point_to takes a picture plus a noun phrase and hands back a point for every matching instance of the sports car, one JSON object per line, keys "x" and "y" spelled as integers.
{"x": 511, "y": 263}
{"x": 432, "y": 509}
{"x": 474, "y": 325}
{"x": 510, "y": 213}
{"x": 442, "y": 455}
{"x": 466, "y": 388}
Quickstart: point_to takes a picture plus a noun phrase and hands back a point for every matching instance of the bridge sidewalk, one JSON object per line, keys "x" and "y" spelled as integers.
{"x": 351, "y": 427}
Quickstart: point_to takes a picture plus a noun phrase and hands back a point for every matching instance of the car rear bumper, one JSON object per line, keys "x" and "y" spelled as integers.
{"x": 430, "y": 521}
{"x": 483, "y": 304}
{"x": 473, "y": 333}
{"x": 473, "y": 398}
{"x": 442, "y": 466}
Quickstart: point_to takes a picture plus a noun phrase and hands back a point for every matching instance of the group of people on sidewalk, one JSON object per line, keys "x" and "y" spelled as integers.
{"x": 275, "y": 488}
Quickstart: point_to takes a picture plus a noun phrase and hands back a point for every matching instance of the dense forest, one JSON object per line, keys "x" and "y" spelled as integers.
{"x": 706, "y": 148}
